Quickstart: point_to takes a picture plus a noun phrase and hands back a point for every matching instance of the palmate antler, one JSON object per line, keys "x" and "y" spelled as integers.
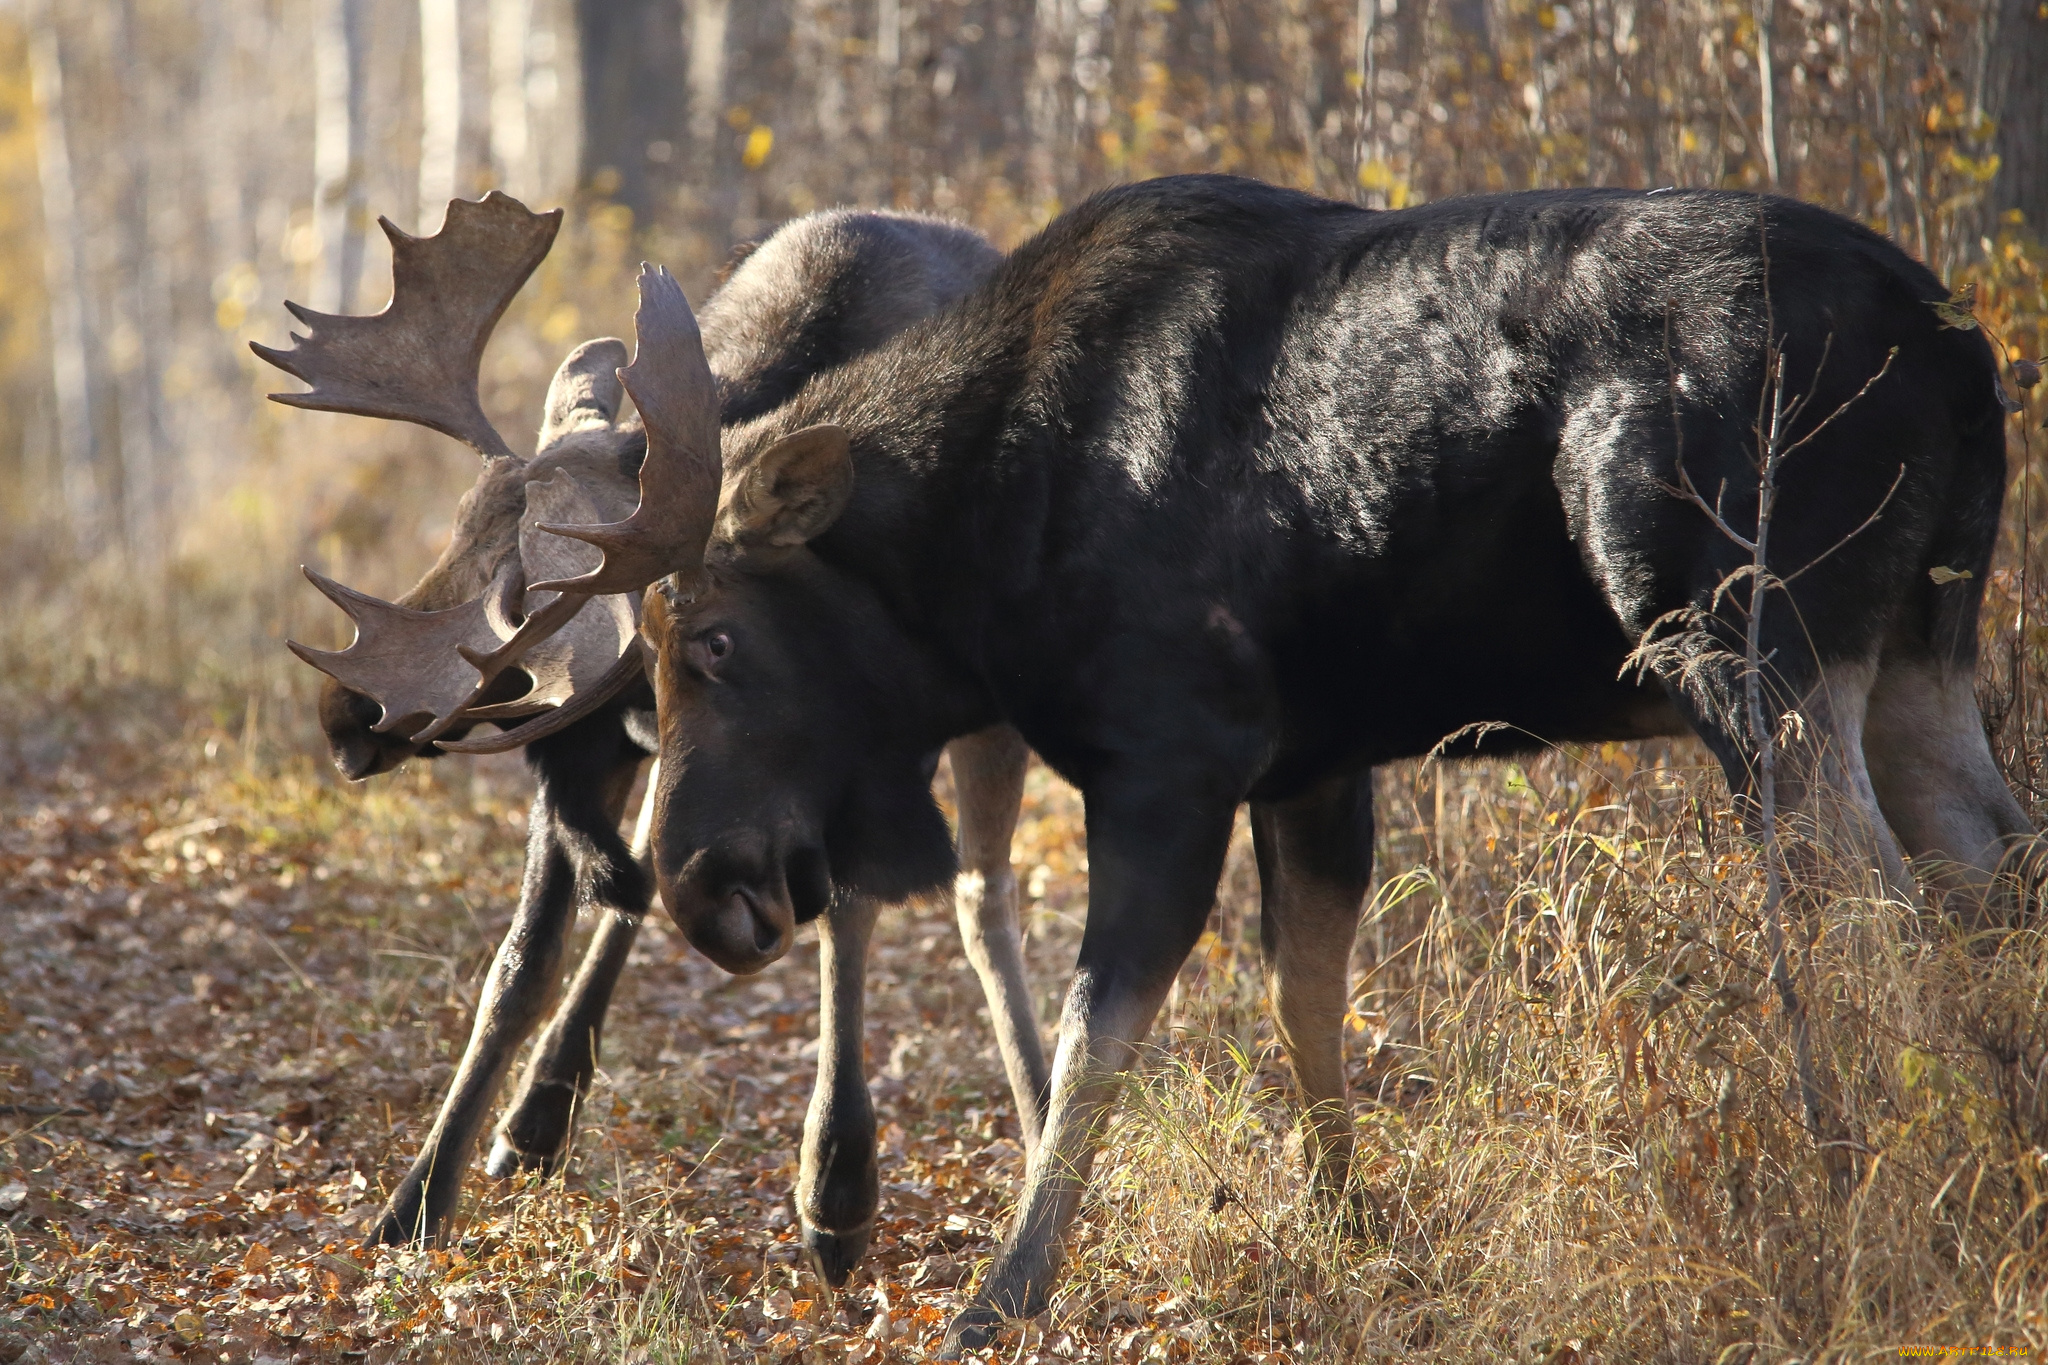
{"x": 418, "y": 361}
{"x": 412, "y": 663}
{"x": 672, "y": 386}
{"x": 594, "y": 655}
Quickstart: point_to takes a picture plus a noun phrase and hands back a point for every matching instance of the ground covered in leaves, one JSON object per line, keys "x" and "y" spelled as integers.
{"x": 230, "y": 997}
{"x": 232, "y": 988}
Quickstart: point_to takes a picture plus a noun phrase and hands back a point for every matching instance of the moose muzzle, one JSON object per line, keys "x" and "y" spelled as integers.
{"x": 742, "y": 921}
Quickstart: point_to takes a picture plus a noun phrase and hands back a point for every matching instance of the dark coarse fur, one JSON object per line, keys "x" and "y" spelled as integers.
{"x": 1213, "y": 466}
{"x": 818, "y": 292}
{"x": 825, "y": 289}
{"x": 1219, "y": 492}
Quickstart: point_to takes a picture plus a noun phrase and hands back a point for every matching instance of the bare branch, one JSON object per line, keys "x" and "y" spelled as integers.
{"x": 1848, "y": 402}
{"x": 1897, "y": 479}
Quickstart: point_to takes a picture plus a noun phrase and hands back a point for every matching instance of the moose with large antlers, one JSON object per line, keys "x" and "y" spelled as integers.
{"x": 820, "y": 290}
{"x": 1220, "y": 492}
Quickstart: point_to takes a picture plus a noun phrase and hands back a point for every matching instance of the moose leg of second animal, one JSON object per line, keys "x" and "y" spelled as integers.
{"x": 535, "y": 1128}
{"x": 988, "y": 777}
{"x": 1155, "y": 852}
{"x": 838, "y": 1188}
{"x": 521, "y": 980}
{"x": 572, "y": 829}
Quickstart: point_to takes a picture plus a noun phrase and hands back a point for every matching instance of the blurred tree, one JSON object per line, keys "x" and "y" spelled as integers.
{"x": 635, "y": 99}
{"x": 195, "y": 161}
{"x": 70, "y": 310}
{"x": 2022, "y": 181}
{"x": 340, "y": 82}
{"x": 456, "y": 104}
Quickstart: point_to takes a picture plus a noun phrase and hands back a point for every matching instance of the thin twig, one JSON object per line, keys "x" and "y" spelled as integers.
{"x": 1897, "y": 479}
{"x": 1847, "y": 403}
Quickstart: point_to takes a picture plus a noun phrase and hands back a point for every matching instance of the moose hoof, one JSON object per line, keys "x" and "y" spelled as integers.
{"x": 835, "y": 1254}
{"x": 972, "y": 1329}
{"x": 397, "y": 1227}
{"x": 507, "y": 1161}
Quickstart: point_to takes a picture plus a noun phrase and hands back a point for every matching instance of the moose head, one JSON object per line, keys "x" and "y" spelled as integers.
{"x": 776, "y": 793}
{"x": 472, "y": 641}
{"x": 531, "y": 614}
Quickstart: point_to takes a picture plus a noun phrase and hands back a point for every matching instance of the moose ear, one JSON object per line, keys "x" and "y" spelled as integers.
{"x": 586, "y": 391}
{"x": 791, "y": 492}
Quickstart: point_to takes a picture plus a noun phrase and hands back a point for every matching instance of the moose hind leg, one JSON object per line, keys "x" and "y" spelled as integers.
{"x": 838, "y": 1186}
{"x": 1938, "y": 784}
{"x": 1827, "y": 816}
{"x": 1315, "y": 866}
{"x": 988, "y": 775}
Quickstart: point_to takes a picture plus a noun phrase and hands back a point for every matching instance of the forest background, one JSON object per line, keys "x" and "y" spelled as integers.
{"x": 172, "y": 170}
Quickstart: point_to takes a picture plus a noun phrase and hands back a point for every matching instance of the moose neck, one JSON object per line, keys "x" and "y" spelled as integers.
{"x": 931, "y": 527}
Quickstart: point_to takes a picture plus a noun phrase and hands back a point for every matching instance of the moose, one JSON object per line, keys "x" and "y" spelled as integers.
{"x": 1219, "y": 492}
{"x": 819, "y": 290}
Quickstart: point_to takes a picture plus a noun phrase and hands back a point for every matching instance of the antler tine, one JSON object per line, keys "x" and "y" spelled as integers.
{"x": 417, "y": 360}
{"x": 672, "y": 386}
{"x": 586, "y": 700}
{"x": 487, "y": 663}
{"x": 409, "y": 662}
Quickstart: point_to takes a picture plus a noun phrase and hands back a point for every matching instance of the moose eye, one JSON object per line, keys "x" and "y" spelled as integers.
{"x": 718, "y": 645}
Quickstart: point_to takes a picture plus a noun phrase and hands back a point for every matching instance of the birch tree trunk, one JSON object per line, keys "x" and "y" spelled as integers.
{"x": 1050, "y": 101}
{"x": 1767, "y": 87}
{"x": 456, "y": 96}
{"x": 339, "y": 209}
{"x": 511, "y": 162}
{"x": 706, "y": 170}
{"x": 70, "y": 343}
{"x": 440, "y": 107}
{"x": 139, "y": 318}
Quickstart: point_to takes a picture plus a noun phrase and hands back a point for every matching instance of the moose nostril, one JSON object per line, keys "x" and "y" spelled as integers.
{"x": 747, "y": 919}
{"x": 766, "y": 935}
{"x": 736, "y": 923}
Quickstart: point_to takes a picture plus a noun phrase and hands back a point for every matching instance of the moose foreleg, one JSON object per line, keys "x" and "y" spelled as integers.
{"x": 1315, "y": 866}
{"x": 573, "y": 852}
{"x": 988, "y": 775}
{"x": 536, "y": 1127}
{"x": 839, "y": 1188}
{"x": 1154, "y": 859}
{"x": 521, "y": 980}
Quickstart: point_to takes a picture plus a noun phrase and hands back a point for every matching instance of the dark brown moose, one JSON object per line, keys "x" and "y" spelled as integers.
{"x": 817, "y": 292}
